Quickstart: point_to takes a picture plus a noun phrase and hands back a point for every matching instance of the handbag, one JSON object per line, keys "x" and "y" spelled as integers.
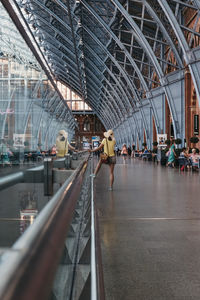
{"x": 104, "y": 156}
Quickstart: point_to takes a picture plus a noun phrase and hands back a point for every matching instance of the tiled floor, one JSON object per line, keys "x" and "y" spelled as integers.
{"x": 150, "y": 232}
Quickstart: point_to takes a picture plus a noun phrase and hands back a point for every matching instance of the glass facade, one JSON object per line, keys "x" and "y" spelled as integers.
{"x": 73, "y": 100}
{"x": 31, "y": 110}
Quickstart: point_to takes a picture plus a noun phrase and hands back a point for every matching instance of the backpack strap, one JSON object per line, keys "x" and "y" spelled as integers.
{"x": 107, "y": 146}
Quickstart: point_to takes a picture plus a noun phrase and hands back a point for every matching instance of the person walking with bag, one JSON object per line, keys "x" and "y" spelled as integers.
{"x": 108, "y": 157}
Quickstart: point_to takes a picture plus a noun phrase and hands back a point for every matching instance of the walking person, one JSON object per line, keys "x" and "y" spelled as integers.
{"x": 133, "y": 151}
{"x": 129, "y": 151}
{"x": 124, "y": 152}
{"x": 172, "y": 154}
{"x": 108, "y": 144}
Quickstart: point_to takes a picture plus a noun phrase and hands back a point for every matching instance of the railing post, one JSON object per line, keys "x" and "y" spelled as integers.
{"x": 75, "y": 156}
{"x": 159, "y": 154}
{"x": 68, "y": 162}
{"x": 48, "y": 177}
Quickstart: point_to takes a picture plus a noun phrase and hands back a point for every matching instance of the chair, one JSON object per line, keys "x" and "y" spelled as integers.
{"x": 149, "y": 156}
{"x": 14, "y": 159}
{"x": 195, "y": 164}
{"x": 144, "y": 156}
{"x": 182, "y": 162}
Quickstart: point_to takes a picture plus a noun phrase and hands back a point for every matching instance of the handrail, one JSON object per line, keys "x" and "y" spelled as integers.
{"x": 97, "y": 281}
{"x": 19, "y": 177}
{"x": 11, "y": 179}
{"x": 93, "y": 244}
{"x": 28, "y": 269}
{"x": 99, "y": 267}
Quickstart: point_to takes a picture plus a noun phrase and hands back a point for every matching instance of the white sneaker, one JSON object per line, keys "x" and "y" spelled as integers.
{"x": 110, "y": 188}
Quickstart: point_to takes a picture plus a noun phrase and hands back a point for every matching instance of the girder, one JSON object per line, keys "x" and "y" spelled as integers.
{"x": 115, "y": 54}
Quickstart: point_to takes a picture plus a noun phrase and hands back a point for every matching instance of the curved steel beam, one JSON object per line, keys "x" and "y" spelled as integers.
{"x": 114, "y": 61}
{"x": 53, "y": 28}
{"x": 142, "y": 113}
{"x": 115, "y": 79}
{"x": 57, "y": 42}
{"x": 188, "y": 55}
{"x": 107, "y": 82}
{"x": 120, "y": 85}
{"x": 124, "y": 74}
{"x": 130, "y": 58}
{"x": 105, "y": 103}
{"x": 75, "y": 48}
{"x": 116, "y": 95}
{"x": 145, "y": 45}
{"x": 164, "y": 31}
{"x": 29, "y": 38}
{"x": 122, "y": 124}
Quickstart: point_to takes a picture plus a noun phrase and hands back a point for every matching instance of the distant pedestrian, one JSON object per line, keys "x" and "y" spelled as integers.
{"x": 133, "y": 151}
{"x": 172, "y": 154}
{"x": 129, "y": 150}
{"x": 124, "y": 152}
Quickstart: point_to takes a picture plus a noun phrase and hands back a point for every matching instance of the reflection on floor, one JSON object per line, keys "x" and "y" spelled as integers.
{"x": 150, "y": 232}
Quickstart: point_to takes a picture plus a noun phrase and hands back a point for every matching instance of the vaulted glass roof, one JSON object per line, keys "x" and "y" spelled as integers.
{"x": 112, "y": 53}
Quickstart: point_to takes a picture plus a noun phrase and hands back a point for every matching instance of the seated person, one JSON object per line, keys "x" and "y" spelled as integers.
{"x": 195, "y": 158}
{"x": 146, "y": 151}
{"x": 184, "y": 155}
{"x": 140, "y": 153}
{"x": 53, "y": 150}
{"x": 4, "y": 152}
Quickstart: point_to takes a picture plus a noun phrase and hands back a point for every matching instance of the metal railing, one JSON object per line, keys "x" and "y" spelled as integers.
{"x": 27, "y": 269}
{"x": 37, "y": 174}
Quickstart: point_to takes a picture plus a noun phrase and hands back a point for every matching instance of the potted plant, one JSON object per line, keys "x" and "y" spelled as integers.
{"x": 194, "y": 140}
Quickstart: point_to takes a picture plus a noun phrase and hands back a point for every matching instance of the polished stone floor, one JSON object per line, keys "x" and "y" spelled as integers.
{"x": 150, "y": 232}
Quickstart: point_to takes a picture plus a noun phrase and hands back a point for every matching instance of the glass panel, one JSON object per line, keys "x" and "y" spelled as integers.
{"x": 31, "y": 111}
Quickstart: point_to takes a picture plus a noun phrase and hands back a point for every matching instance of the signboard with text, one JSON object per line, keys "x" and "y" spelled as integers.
{"x": 18, "y": 139}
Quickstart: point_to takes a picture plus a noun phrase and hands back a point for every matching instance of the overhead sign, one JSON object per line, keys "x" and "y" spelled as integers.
{"x": 86, "y": 145}
{"x": 95, "y": 138}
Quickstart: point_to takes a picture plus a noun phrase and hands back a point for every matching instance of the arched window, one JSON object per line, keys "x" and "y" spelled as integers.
{"x": 86, "y": 125}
